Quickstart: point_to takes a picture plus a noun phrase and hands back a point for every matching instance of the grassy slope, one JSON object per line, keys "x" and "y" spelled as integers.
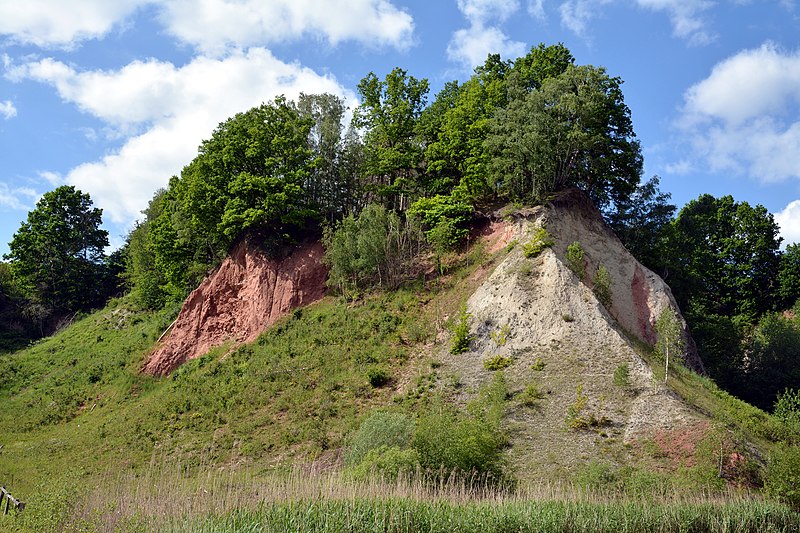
{"x": 75, "y": 406}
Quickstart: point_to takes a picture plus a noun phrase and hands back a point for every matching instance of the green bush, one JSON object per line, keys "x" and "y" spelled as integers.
{"x": 574, "y": 259}
{"x": 622, "y": 376}
{"x": 387, "y": 462}
{"x": 602, "y": 286}
{"x": 445, "y": 218}
{"x": 540, "y": 240}
{"x": 531, "y": 395}
{"x": 448, "y": 442}
{"x": 379, "y": 429}
{"x": 787, "y": 408}
{"x": 497, "y": 362}
{"x": 378, "y": 376}
{"x": 461, "y": 335}
{"x": 783, "y": 475}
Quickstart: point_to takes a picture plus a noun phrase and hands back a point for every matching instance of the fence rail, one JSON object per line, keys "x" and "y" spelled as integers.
{"x": 7, "y": 500}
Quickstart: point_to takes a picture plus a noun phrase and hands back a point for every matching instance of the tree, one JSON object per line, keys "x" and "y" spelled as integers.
{"x": 670, "y": 337}
{"x": 640, "y": 221}
{"x": 388, "y": 113}
{"x": 575, "y": 130}
{"x": 789, "y": 277}
{"x": 58, "y": 251}
{"x": 724, "y": 257}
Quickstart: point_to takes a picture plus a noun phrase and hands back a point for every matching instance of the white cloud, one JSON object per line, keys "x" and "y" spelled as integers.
{"x": 686, "y": 18}
{"x": 214, "y": 26}
{"x": 745, "y": 116}
{"x": 53, "y": 178}
{"x": 536, "y": 9}
{"x": 174, "y": 107}
{"x": 577, "y": 14}
{"x": 7, "y": 109}
{"x": 483, "y": 11}
{"x": 470, "y": 46}
{"x": 56, "y": 23}
{"x": 17, "y": 198}
{"x": 789, "y": 222}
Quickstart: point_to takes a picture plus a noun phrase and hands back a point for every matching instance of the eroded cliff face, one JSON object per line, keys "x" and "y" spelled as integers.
{"x": 244, "y": 296}
{"x": 560, "y": 339}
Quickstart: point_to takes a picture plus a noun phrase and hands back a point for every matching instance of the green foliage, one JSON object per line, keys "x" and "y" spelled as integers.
{"x": 602, "y": 286}
{"x": 445, "y": 218}
{"x": 379, "y": 430}
{"x": 641, "y": 222}
{"x": 389, "y": 112}
{"x": 789, "y": 276}
{"x": 386, "y": 462}
{"x": 670, "y": 340}
{"x": 57, "y": 253}
{"x": 538, "y": 365}
{"x": 783, "y": 475}
{"x": 531, "y": 395}
{"x": 461, "y": 335}
{"x": 787, "y": 408}
{"x": 378, "y": 376}
{"x": 371, "y": 249}
{"x": 541, "y": 239}
{"x": 575, "y": 130}
{"x": 497, "y": 362}
{"x": 772, "y": 349}
{"x": 575, "y": 411}
{"x": 574, "y": 259}
{"x": 622, "y": 376}
{"x": 500, "y": 336}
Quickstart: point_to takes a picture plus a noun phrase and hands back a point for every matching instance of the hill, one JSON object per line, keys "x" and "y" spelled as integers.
{"x": 579, "y": 398}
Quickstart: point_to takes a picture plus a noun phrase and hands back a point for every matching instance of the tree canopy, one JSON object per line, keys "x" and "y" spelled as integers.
{"x": 57, "y": 253}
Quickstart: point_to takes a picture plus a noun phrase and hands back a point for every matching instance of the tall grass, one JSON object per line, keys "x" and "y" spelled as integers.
{"x": 165, "y": 498}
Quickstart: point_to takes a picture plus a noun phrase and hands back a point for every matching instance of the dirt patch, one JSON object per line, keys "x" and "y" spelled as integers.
{"x": 244, "y": 296}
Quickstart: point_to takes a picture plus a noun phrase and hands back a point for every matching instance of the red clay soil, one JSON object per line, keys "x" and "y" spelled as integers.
{"x": 244, "y": 296}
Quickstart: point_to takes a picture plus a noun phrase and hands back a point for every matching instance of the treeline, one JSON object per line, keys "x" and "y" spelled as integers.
{"x": 734, "y": 285}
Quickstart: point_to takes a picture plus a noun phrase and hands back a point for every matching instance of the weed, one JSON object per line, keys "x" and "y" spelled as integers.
{"x": 461, "y": 335}
{"x": 541, "y": 239}
{"x": 500, "y": 336}
{"x": 538, "y": 365}
{"x": 510, "y": 246}
{"x": 531, "y": 395}
{"x": 622, "y": 376}
{"x": 378, "y": 376}
{"x": 574, "y": 259}
{"x": 497, "y": 362}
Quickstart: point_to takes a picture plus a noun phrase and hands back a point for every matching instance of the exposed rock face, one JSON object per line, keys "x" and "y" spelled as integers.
{"x": 559, "y": 337}
{"x": 245, "y": 295}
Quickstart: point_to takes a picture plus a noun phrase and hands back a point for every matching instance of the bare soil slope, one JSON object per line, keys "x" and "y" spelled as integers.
{"x": 244, "y": 296}
{"x": 559, "y": 337}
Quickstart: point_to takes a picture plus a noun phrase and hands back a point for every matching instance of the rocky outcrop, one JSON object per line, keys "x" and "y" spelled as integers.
{"x": 244, "y": 296}
{"x": 560, "y": 339}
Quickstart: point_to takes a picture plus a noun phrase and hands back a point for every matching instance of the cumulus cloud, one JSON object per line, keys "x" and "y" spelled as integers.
{"x": 213, "y": 26}
{"x": 7, "y": 109}
{"x": 536, "y": 9}
{"x": 686, "y": 18}
{"x": 174, "y": 107}
{"x": 59, "y": 24}
{"x": 17, "y": 198}
{"x": 470, "y": 46}
{"x": 745, "y": 116}
{"x": 789, "y": 222}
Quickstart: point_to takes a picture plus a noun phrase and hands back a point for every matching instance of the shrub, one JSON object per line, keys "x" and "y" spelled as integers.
{"x": 602, "y": 286}
{"x": 787, "y": 408}
{"x": 446, "y": 219}
{"x": 386, "y": 461}
{"x": 461, "y": 335}
{"x": 500, "y": 336}
{"x": 378, "y": 376}
{"x": 540, "y": 240}
{"x": 448, "y": 442}
{"x": 783, "y": 475}
{"x": 538, "y": 365}
{"x": 622, "y": 376}
{"x": 497, "y": 362}
{"x": 531, "y": 395}
{"x": 574, "y": 259}
{"x": 380, "y": 428}
{"x": 575, "y": 417}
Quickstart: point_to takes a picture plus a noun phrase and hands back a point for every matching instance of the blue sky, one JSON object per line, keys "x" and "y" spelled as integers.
{"x": 115, "y": 97}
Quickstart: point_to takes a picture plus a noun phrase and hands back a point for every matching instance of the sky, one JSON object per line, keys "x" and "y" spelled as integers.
{"x": 114, "y": 97}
